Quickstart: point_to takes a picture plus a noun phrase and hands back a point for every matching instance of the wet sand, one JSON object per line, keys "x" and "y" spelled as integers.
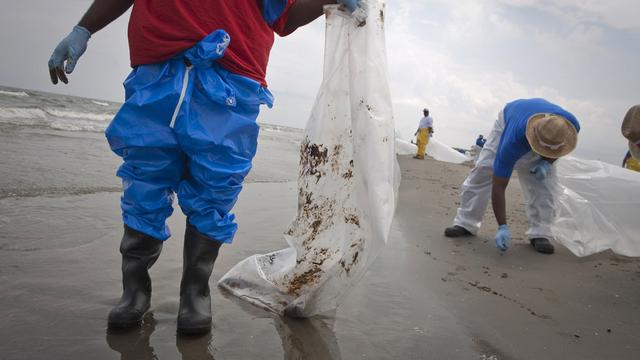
{"x": 425, "y": 297}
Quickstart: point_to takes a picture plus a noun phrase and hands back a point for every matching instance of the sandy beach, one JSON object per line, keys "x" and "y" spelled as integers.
{"x": 425, "y": 297}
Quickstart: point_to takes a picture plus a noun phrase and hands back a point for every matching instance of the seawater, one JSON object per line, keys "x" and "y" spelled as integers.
{"x": 54, "y": 144}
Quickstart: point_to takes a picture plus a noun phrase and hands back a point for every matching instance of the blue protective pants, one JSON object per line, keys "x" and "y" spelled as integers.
{"x": 187, "y": 127}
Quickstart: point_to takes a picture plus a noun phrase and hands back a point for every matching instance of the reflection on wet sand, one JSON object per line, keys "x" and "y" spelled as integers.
{"x": 308, "y": 339}
{"x": 133, "y": 343}
{"x": 195, "y": 347}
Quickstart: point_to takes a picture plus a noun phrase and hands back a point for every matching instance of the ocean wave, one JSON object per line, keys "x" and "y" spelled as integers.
{"x": 101, "y": 103}
{"x": 13, "y": 93}
{"x": 57, "y": 119}
{"x": 22, "y": 113}
{"x": 79, "y": 115}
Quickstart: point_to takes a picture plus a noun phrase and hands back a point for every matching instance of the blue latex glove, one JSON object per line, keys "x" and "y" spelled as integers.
{"x": 541, "y": 169}
{"x": 352, "y": 5}
{"x": 69, "y": 49}
{"x": 503, "y": 237}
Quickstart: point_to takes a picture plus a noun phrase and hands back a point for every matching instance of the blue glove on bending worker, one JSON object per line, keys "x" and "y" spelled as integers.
{"x": 541, "y": 169}
{"x": 352, "y": 5}
{"x": 69, "y": 49}
{"x": 503, "y": 237}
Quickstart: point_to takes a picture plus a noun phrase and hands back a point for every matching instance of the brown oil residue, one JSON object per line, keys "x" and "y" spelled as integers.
{"x": 312, "y": 158}
{"x": 350, "y": 260}
{"x": 303, "y": 279}
{"x": 352, "y": 219}
{"x": 335, "y": 157}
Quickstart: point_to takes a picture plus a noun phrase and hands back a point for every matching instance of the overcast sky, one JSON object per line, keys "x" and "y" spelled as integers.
{"x": 462, "y": 59}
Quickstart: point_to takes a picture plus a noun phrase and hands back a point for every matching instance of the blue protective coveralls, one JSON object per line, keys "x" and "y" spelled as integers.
{"x": 188, "y": 127}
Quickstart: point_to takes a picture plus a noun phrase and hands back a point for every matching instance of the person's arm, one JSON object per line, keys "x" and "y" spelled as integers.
{"x": 498, "y": 198}
{"x": 70, "y": 49}
{"x": 303, "y": 12}
{"x": 102, "y": 12}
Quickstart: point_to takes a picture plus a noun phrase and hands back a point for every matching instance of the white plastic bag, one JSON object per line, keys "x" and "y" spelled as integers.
{"x": 347, "y": 184}
{"x": 435, "y": 149}
{"x": 597, "y": 207}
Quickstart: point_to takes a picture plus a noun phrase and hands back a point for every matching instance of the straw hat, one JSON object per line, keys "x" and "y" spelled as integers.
{"x": 631, "y": 130}
{"x": 551, "y": 135}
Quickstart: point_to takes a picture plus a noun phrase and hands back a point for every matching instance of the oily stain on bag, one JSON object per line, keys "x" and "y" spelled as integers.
{"x": 318, "y": 213}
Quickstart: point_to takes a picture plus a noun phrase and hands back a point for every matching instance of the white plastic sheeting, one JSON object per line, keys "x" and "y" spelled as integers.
{"x": 435, "y": 149}
{"x": 598, "y": 207}
{"x": 347, "y": 184}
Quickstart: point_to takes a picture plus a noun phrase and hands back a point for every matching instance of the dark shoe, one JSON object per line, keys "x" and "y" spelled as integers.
{"x": 200, "y": 252}
{"x": 456, "y": 231}
{"x": 419, "y": 157}
{"x": 542, "y": 245}
{"x": 139, "y": 252}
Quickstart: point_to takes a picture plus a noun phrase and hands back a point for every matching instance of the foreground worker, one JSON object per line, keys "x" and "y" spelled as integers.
{"x": 631, "y": 131}
{"x": 425, "y": 129}
{"x": 188, "y": 126}
{"x": 529, "y": 135}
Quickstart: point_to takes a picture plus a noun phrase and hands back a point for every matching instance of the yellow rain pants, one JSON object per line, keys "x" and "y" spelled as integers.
{"x": 422, "y": 140}
{"x": 631, "y": 164}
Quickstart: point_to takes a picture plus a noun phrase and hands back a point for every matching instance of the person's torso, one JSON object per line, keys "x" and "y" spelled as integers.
{"x": 161, "y": 29}
{"x": 426, "y": 122}
{"x": 513, "y": 141}
{"x": 516, "y": 115}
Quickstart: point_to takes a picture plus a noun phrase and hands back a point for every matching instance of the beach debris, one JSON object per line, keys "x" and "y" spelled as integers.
{"x": 347, "y": 181}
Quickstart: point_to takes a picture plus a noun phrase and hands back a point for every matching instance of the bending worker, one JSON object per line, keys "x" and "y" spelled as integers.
{"x": 425, "y": 130}
{"x": 187, "y": 127}
{"x": 529, "y": 136}
{"x": 631, "y": 131}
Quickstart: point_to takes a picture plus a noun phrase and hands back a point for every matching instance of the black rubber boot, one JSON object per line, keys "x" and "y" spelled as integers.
{"x": 456, "y": 231}
{"x": 542, "y": 245}
{"x": 139, "y": 252}
{"x": 200, "y": 252}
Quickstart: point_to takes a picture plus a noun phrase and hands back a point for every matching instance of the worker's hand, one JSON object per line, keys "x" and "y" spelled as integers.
{"x": 352, "y": 5}
{"x": 541, "y": 169}
{"x": 69, "y": 49}
{"x": 503, "y": 237}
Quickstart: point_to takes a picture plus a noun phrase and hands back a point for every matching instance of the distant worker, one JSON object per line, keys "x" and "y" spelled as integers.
{"x": 631, "y": 131}
{"x": 529, "y": 135}
{"x": 478, "y": 147}
{"x": 425, "y": 130}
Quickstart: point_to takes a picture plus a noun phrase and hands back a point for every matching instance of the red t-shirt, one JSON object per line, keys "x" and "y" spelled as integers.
{"x": 160, "y": 29}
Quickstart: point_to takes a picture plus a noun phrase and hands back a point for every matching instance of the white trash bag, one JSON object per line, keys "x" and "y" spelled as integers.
{"x": 597, "y": 207}
{"x": 435, "y": 149}
{"x": 348, "y": 179}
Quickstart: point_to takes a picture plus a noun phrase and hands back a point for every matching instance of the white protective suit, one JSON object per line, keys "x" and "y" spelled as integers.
{"x": 476, "y": 189}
